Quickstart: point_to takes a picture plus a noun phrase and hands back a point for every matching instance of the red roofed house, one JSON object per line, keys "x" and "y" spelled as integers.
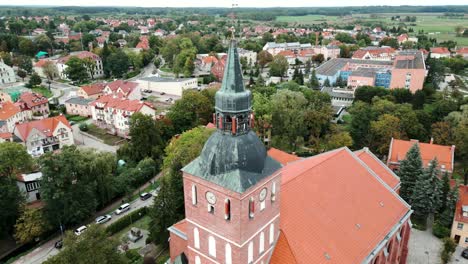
{"x": 460, "y": 220}
{"x": 92, "y": 91}
{"x": 398, "y": 148}
{"x": 143, "y": 44}
{"x": 440, "y": 52}
{"x": 36, "y": 102}
{"x": 402, "y": 38}
{"x": 45, "y": 135}
{"x": 218, "y": 68}
{"x": 463, "y": 51}
{"x": 374, "y": 53}
{"x": 98, "y": 70}
{"x": 121, "y": 88}
{"x": 113, "y": 113}
{"x": 289, "y": 55}
{"x": 12, "y": 114}
{"x": 242, "y": 206}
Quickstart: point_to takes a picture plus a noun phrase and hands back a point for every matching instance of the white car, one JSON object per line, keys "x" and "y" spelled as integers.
{"x": 123, "y": 208}
{"x": 80, "y": 230}
{"x": 102, "y": 219}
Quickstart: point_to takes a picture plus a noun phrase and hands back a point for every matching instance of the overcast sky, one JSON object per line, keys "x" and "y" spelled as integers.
{"x": 228, "y": 3}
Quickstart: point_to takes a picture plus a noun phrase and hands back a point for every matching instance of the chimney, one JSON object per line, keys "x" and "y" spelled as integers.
{"x": 431, "y": 141}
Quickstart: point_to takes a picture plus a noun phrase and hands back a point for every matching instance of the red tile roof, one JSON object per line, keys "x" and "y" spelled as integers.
{"x": 333, "y": 207}
{"x": 209, "y": 60}
{"x": 181, "y": 226}
{"x": 93, "y": 89}
{"x": 376, "y": 52}
{"x": 440, "y": 50}
{"x": 126, "y": 86}
{"x": 281, "y": 156}
{"x": 111, "y": 101}
{"x": 40, "y": 63}
{"x": 462, "y": 50}
{"x": 33, "y": 99}
{"x": 306, "y": 52}
{"x": 377, "y": 166}
{"x": 8, "y": 109}
{"x": 444, "y": 154}
{"x": 462, "y": 201}
{"x": 6, "y": 135}
{"x": 46, "y": 126}
{"x": 282, "y": 253}
{"x": 210, "y": 125}
{"x": 81, "y": 55}
{"x": 287, "y": 53}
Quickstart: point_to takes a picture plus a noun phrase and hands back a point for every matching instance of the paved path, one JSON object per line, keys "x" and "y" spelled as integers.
{"x": 84, "y": 141}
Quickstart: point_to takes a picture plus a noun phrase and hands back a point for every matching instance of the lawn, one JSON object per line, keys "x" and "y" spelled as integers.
{"x": 309, "y": 19}
{"x": 76, "y": 118}
{"x": 43, "y": 90}
{"x": 143, "y": 223}
{"x": 103, "y": 135}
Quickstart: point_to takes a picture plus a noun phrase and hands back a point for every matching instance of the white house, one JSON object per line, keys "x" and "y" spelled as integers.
{"x": 29, "y": 185}
{"x": 11, "y": 114}
{"x": 7, "y": 75}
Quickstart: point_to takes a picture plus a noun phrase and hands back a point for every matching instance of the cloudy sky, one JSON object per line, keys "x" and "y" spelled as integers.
{"x": 227, "y": 3}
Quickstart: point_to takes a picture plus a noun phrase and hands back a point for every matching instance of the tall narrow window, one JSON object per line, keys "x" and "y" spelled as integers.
{"x": 227, "y": 209}
{"x": 251, "y": 207}
{"x": 273, "y": 192}
{"x": 261, "y": 246}
{"x": 250, "y": 253}
{"x": 272, "y": 233}
{"x": 194, "y": 194}
{"x": 197, "y": 260}
{"x": 196, "y": 238}
{"x": 228, "y": 254}
{"x": 212, "y": 246}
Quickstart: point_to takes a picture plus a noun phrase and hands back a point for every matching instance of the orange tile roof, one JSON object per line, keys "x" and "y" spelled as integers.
{"x": 462, "y": 201}
{"x": 462, "y": 50}
{"x": 282, "y": 253}
{"x": 125, "y": 86}
{"x": 41, "y": 63}
{"x": 287, "y": 53}
{"x": 46, "y": 126}
{"x": 333, "y": 207}
{"x": 8, "y": 109}
{"x": 209, "y": 59}
{"x": 111, "y": 101}
{"x": 379, "y": 168}
{"x": 6, "y": 135}
{"x": 441, "y": 50}
{"x": 444, "y": 154}
{"x": 33, "y": 99}
{"x": 376, "y": 52}
{"x": 81, "y": 55}
{"x": 181, "y": 226}
{"x": 93, "y": 89}
{"x": 281, "y": 156}
{"x": 210, "y": 125}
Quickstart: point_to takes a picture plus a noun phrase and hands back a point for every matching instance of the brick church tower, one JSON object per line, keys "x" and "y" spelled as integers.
{"x": 232, "y": 190}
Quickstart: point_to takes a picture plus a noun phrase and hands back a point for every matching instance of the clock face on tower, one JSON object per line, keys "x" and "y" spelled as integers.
{"x": 210, "y": 197}
{"x": 263, "y": 194}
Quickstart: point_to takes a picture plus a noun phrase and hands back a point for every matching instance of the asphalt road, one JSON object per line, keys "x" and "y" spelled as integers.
{"x": 42, "y": 253}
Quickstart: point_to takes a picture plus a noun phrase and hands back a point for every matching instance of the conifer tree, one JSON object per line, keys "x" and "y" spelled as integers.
{"x": 446, "y": 217}
{"x": 313, "y": 82}
{"x": 260, "y": 80}
{"x": 410, "y": 170}
{"x": 326, "y": 83}
{"x": 427, "y": 192}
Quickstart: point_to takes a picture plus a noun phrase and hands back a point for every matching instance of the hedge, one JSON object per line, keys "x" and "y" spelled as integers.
{"x": 440, "y": 231}
{"x": 126, "y": 220}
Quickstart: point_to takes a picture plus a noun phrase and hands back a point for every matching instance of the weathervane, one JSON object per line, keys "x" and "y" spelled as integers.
{"x": 233, "y": 16}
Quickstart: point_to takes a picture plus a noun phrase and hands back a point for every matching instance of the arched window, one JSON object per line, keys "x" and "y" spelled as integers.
{"x": 261, "y": 246}
{"x": 228, "y": 254}
{"x": 251, "y": 207}
{"x": 227, "y": 209}
{"x": 250, "y": 253}
{"x": 212, "y": 246}
{"x": 273, "y": 192}
{"x": 272, "y": 233}
{"x": 197, "y": 260}
{"x": 196, "y": 238}
{"x": 194, "y": 194}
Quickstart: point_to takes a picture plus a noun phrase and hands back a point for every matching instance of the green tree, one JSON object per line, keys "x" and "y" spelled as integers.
{"x": 14, "y": 159}
{"x": 442, "y": 133}
{"x": 50, "y": 70}
{"x": 313, "y": 82}
{"x": 30, "y": 225}
{"x": 22, "y": 74}
{"x": 93, "y": 246}
{"x": 426, "y": 197}
{"x": 90, "y": 65}
{"x": 168, "y": 207}
{"x": 118, "y": 63}
{"x": 410, "y": 171}
{"x": 279, "y": 66}
{"x": 382, "y": 131}
{"x": 367, "y": 93}
{"x": 26, "y": 47}
{"x": 76, "y": 70}
{"x": 264, "y": 57}
{"x": 34, "y": 80}
{"x": 360, "y": 126}
{"x": 25, "y": 63}
{"x": 326, "y": 83}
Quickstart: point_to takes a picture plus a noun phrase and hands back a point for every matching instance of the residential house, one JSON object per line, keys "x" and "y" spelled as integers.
{"x": 462, "y": 51}
{"x": 459, "y": 231}
{"x": 121, "y": 88}
{"x": 113, "y": 113}
{"x": 79, "y": 106}
{"x": 36, "y": 102}
{"x": 12, "y": 114}
{"x": 11, "y": 93}
{"x": 445, "y": 154}
{"x": 218, "y": 68}
{"x": 402, "y": 38}
{"x": 340, "y": 97}
{"x": 98, "y": 69}
{"x": 440, "y": 52}
{"x": 143, "y": 44}
{"x": 45, "y": 135}
{"x": 375, "y": 53}
{"x": 7, "y": 75}
{"x": 91, "y": 91}
{"x": 289, "y": 55}
{"x": 29, "y": 184}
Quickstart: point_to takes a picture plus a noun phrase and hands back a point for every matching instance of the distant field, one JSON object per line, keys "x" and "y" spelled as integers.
{"x": 442, "y": 28}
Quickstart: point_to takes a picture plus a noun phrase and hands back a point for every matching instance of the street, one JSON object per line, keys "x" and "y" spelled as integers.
{"x": 42, "y": 253}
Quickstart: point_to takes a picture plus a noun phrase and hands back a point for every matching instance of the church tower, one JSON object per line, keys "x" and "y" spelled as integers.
{"x": 232, "y": 189}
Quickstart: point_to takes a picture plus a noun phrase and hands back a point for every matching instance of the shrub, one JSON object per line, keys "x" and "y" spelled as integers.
{"x": 84, "y": 127}
{"x": 440, "y": 231}
{"x": 126, "y": 220}
{"x": 448, "y": 249}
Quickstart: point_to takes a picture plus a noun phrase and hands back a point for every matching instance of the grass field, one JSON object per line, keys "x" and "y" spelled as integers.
{"x": 43, "y": 90}
{"x": 438, "y": 26}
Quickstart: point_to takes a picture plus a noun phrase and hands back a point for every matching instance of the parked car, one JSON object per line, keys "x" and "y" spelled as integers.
{"x": 58, "y": 244}
{"x": 102, "y": 219}
{"x": 145, "y": 196}
{"x": 123, "y": 208}
{"x": 80, "y": 230}
{"x": 163, "y": 93}
{"x": 135, "y": 234}
{"x": 464, "y": 253}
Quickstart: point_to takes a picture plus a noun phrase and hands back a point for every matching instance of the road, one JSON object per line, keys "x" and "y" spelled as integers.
{"x": 46, "y": 250}
{"x": 63, "y": 91}
{"x": 84, "y": 141}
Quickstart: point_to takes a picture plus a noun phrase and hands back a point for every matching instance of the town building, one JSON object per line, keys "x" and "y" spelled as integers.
{"x": 462, "y": 51}
{"x": 5, "y": 136}
{"x": 79, "y": 106}
{"x": 11, "y": 93}
{"x": 7, "y": 75}
{"x": 98, "y": 69}
{"x": 173, "y": 86}
{"x": 29, "y": 184}
{"x": 329, "y": 52}
{"x": 459, "y": 231}
{"x": 45, "y": 135}
{"x": 12, "y": 114}
{"x": 91, "y": 91}
{"x": 340, "y": 97}
{"x": 445, "y": 154}
{"x": 36, "y": 102}
{"x": 244, "y": 206}
{"x": 440, "y": 52}
{"x": 375, "y": 53}
{"x": 113, "y": 113}
{"x": 122, "y": 88}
